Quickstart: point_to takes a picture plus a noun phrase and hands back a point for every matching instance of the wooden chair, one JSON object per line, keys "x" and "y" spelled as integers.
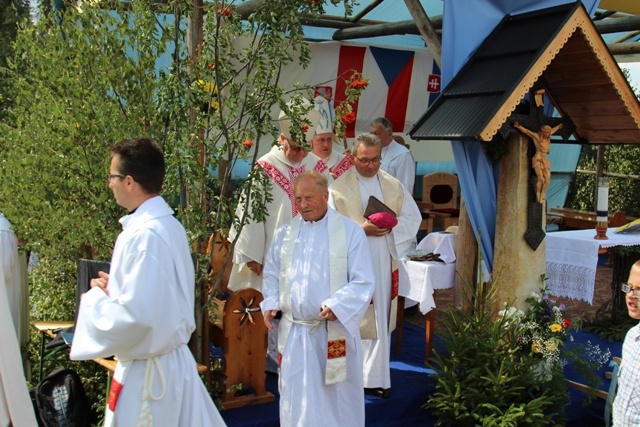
{"x": 242, "y": 335}
{"x": 239, "y": 331}
{"x": 440, "y": 189}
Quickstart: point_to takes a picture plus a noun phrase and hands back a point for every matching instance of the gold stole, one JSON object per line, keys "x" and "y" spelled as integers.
{"x": 348, "y": 200}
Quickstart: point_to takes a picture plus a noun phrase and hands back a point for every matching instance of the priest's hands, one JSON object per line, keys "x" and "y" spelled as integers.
{"x": 101, "y": 282}
{"x": 327, "y": 314}
{"x": 255, "y": 266}
{"x": 370, "y": 229}
{"x": 269, "y": 315}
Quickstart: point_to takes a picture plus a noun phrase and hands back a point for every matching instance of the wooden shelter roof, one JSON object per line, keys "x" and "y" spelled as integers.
{"x": 558, "y": 48}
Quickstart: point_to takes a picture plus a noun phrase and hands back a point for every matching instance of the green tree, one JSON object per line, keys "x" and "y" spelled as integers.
{"x": 12, "y": 12}
{"x": 93, "y": 77}
{"x": 624, "y": 193}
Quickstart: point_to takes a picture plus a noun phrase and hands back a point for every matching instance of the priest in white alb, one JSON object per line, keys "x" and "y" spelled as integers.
{"x": 16, "y": 408}
{"x": 318, "y": 272}
{"x": 388, "y": 239}
{"x": 322, "y": 142}
{"x": 281, "y": 165}
{"x": 397, "y": 160}
{"x": 142, "y": 312}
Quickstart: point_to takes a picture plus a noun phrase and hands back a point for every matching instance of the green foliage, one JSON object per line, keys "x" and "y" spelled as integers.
{"x": 482, "y": 376}
{"x": 12, "y": 12}
{"x": 78, "y": 95}
{"x": 624, "y": 193}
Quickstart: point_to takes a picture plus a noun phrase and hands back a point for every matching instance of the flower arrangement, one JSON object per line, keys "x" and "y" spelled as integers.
{"x": 544, "y": 332}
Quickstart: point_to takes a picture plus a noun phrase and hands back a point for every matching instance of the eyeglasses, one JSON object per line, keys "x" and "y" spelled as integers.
{"x": 110, "y": 176}
{"x": 626, "y": 289}
{"x": 366, "y": 161}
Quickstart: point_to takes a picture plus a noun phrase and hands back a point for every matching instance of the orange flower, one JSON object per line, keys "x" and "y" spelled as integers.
{"x": 247, "y": 143}
{"x": 358, "y": 84}
{"x": 211, "y": 67}
{"x": 225, "y": 11}
{"x": 305, "y": 128}
{"x": 349, "y": 117}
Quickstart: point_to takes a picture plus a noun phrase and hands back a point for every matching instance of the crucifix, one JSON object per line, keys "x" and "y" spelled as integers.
{"x": 539, "y": 129}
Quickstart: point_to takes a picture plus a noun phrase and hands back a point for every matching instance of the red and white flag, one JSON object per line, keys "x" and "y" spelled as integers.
{"x": 403, "y": 82}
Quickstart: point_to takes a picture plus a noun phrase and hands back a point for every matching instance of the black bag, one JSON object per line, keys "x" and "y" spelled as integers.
{"x": 61, "y": 400}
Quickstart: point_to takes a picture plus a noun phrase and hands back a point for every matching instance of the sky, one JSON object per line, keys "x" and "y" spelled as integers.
{"x": 634, "y": 71}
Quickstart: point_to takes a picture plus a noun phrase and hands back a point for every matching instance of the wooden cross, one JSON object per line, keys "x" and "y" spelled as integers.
{"x": 532, "y": 125}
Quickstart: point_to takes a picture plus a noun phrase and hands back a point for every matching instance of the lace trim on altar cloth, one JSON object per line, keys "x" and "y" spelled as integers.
{"x": 571, "y": 281}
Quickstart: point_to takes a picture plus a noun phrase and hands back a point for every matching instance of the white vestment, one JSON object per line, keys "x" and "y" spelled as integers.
{"x": 255, "y": 237}
{"x": 398, "y": 162}
{"x": 146, "y": 320}
{"x": 305, "y": 398}
{"x": 350, "y": 194}
{"x": 338, "y": 163}
{"x": 15, "y": 405}
{"x": 15, "y": 280}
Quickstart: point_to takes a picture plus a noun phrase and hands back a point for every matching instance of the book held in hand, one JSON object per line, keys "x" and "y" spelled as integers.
{"x": 380, "y": 214}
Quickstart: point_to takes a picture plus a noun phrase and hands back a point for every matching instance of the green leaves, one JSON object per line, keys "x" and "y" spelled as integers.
{"x": 482, "y": 378}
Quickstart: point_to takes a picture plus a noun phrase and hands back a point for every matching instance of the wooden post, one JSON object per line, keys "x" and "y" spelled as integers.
{"x": 466, "y": 260}
{"x": 426, "y": 29}
{"x": 517, "y": 268}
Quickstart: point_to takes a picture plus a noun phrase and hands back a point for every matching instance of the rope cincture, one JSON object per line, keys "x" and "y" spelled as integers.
{"x": 146, "y": 419}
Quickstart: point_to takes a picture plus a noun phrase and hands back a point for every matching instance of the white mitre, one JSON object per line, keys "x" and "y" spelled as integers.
{"x": 325, "y": 110}
{"x": 312, "y": 116}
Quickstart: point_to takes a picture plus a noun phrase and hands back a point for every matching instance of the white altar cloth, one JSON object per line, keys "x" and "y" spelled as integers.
{"x": 440, "y": 243}
{"x": 419, "y": 279}
{"x": 572, "y": 259}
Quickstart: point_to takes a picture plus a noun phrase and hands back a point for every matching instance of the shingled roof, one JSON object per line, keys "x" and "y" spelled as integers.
{"x": 558, "y": 48}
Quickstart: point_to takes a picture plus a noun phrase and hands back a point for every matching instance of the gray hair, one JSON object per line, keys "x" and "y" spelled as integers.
{"x": 318, "y": 178}
{"x": 366, "y": 139}
{"x": 384, "y": 122}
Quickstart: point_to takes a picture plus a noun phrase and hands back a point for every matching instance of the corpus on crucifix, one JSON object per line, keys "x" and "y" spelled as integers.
{"x": 541, "y": 165}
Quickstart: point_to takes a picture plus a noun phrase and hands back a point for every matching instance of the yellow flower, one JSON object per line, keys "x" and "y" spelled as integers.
{"x": 555, "y": 327}
{"x": 211, "y": 89}
{"x": 551, "y": 345}
{"x": 536, "y": 347}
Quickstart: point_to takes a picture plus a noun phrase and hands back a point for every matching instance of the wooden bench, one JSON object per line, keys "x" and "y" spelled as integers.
{"x": 568, "y": 218}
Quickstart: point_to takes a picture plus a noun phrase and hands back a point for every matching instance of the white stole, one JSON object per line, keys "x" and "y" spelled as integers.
{"x": 336, "y": 368}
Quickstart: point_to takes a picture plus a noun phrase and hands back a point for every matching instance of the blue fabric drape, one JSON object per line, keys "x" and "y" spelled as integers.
{"x": 465, "y": 26}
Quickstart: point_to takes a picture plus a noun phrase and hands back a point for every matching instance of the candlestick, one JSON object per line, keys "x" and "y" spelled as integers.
{"x": 602, "y": 209}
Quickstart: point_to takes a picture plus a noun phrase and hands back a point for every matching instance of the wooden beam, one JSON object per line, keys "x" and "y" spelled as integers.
{"x": 366, "y": 10}
{"x": 393, "y": 28}
{"x": 426, "y": 29}
{"x": 630, "y": 48}
{"x": 328, "y": 23}
{"x": 247, "y": 8}
{"x": 618, "y": 25}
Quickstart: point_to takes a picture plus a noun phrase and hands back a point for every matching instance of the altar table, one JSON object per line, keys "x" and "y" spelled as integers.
{"x": 572, "y": 259}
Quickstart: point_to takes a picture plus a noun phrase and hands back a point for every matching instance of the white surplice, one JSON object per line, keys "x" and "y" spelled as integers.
{"x": 15, "y": 280}
{"x": 355, "y": 190}
{"x": 146, "y": 320}
{"x": 255, "y": 237}
{"x": 15, "y": 405}
{"x": 398, "y": 162}
{"x": 305, "y": 399}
